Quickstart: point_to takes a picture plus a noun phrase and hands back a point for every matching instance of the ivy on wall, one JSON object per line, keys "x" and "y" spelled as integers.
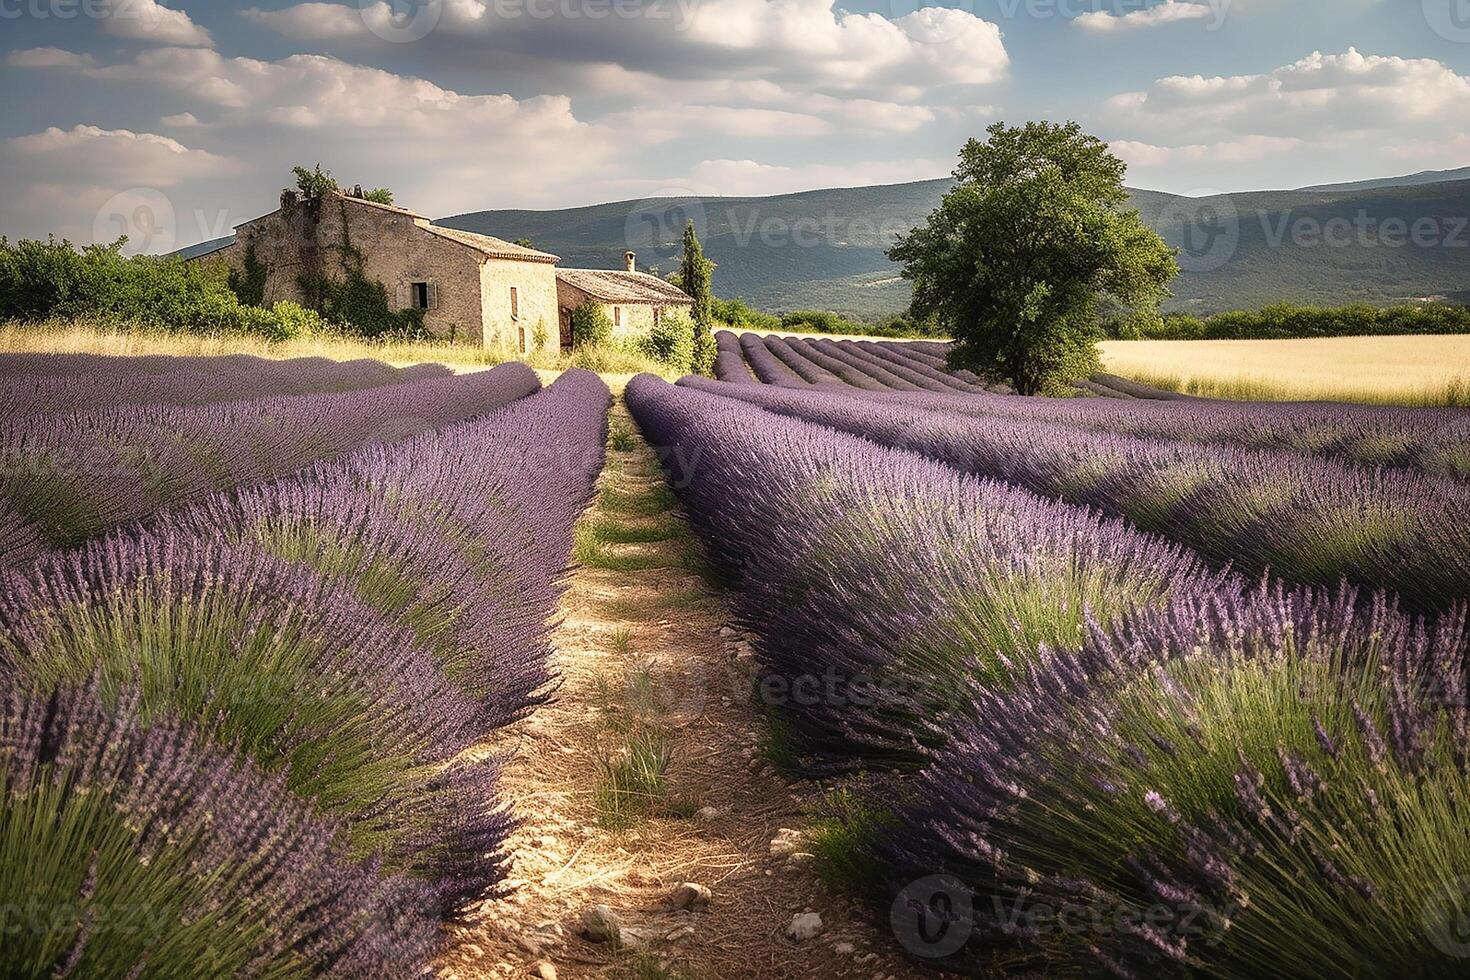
{"x": 355, "y": 300}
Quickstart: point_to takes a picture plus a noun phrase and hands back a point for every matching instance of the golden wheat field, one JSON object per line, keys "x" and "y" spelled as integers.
{"x": 1425, "y": 370}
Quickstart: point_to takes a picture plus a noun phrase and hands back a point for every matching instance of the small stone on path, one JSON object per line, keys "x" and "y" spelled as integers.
{"x": 601, "y": 924}
{"x": 786, "y": 842}
{"x": 804, "y": 926}
{"x": 688, "y": 895}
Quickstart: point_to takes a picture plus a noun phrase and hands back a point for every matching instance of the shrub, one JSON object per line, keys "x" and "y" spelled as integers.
{"x": 1243, "y": 783}
{"x": 671, "y": 341}
{"x": 248, "y": 282}
{"x": 736, "y": 314}
{"x": 40, "y": 280}
{"x": 591, "y": 326}
{"x": 1285, "y": 321}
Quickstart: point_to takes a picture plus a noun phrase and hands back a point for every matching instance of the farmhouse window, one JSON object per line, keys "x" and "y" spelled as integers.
{"x": 515, "y": 308}
{"x": 657, "y": 315}
{"x": 420, "y": 295}
{"x": 523, "y": 339}
{"x": 617, "y": 316}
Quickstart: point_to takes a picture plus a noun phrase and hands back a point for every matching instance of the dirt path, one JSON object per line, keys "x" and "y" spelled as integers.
{"x": 648, "y": 771}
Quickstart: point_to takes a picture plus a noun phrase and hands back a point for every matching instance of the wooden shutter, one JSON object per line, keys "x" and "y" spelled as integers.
{"x": 433, "y": 296}
{"x": 404, "y": 290}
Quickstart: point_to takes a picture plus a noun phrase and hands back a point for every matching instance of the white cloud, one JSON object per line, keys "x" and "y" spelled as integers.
{"x": 807, "y": 42}
{"x": 1321, "y": 99}
{"x": 1230, "y": 151}
{"x": 49, "y": 58}
{"x": 1168, "y": 12}
{"x": 117, "y": 156}
{"x": 149, "y": 20}
{"x": 182, "y": 120}
{"x": 439, "y": 149}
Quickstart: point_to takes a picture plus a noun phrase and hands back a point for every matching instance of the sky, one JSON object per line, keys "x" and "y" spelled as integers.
{"x": 174, "y": 122}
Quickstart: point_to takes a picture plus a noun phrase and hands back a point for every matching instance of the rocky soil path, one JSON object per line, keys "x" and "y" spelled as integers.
{"x": 658, "y": 841}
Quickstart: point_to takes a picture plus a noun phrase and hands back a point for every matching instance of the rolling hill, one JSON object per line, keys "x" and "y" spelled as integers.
{"x": 823, "y": 249}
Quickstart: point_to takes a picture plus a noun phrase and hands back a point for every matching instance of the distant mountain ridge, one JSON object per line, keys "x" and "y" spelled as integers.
{"x": 1397, "y": 239}
{"x": 1423, "y": 177}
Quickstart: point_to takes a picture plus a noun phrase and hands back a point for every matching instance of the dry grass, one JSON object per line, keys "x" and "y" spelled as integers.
{"x": 88, "y": 337}
{"x": 1427, "y": 370}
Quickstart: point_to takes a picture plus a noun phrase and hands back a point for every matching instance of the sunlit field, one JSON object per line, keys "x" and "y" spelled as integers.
{"x": 1424, "y": 370}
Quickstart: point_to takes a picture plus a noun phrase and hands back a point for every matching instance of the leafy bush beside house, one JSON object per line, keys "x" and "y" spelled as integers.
{"x": 591, "y": 326}
{"x": 52, "y": 279}
{"x": 671, "y": 341}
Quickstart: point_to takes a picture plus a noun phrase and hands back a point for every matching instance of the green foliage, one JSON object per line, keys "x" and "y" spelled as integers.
{"x": 248, "y": 282}
{"x": 1285, "y": 321}
{"x": 378, "y": 195}
{"x": 356, "y": 301}
{"x": 540, "y": 335}
{"x": 1018, "y": 256}
{"x": 671, "y": 341}
{"x": 591, "y": 326}
{"x": 735, "y": 314}
{"x": 314, "y": 184}
{"x": 42, "y": 280}
{"x": 523, "y": 243}
{"x": 695, "y": 275}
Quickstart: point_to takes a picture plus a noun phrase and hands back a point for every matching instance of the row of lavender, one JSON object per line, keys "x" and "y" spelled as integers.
{"x": 796, "y": 362}
{"x": 1104, "y": 757}
{"x": 233, "y": 740}
{"x": 1307, "y": 519}
{"x": 49, "y": 384}
{"x": 1435, "y": 441}
{"x": 67, "y": 477}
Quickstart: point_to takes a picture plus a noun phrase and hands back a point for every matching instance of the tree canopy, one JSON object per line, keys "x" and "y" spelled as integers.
{"x": 1019, "y": 257}
{"x": 695, "y": 274}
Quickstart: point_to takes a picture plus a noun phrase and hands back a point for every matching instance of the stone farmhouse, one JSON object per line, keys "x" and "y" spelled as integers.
{"x": 470, "y": 286}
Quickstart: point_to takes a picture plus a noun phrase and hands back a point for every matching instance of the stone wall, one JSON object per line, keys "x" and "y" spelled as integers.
{"x": 629, "y": 320}
{"x": 469, "y": 292}
{"x": 536, "y": 300}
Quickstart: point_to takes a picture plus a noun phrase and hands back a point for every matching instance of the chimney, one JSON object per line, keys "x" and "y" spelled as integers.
{"x": 631, "y": 258}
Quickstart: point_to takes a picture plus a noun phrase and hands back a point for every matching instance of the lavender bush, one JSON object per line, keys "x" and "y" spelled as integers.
{"x": 877, "y": 582}
{"x": 131, "y": 848}
{"x": 767, "y": 367}
{"x": 462, "y": 535}
{"x": 286, "y": 667}
{"x": 192, "y": 384}
{"x": 873, "y": 368}
{"x": 1306, "y": 519}
{"x": 73, "y": 476}
{"x": 1271, "y": 785}
{"x": 729, "y": 362}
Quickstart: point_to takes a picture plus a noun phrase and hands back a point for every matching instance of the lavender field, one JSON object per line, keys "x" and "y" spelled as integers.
{"x": 1124, "y": 684}
{"x": 248, "y": 628}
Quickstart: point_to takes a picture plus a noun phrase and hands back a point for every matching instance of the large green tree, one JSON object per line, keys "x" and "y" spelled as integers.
{"x": 1033, "y": 239}
{"x": 695, "y": 275}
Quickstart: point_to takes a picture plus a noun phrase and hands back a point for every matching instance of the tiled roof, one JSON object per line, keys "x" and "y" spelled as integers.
{"x": 494, "y": 247}
{"x": 617, "y": 286}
